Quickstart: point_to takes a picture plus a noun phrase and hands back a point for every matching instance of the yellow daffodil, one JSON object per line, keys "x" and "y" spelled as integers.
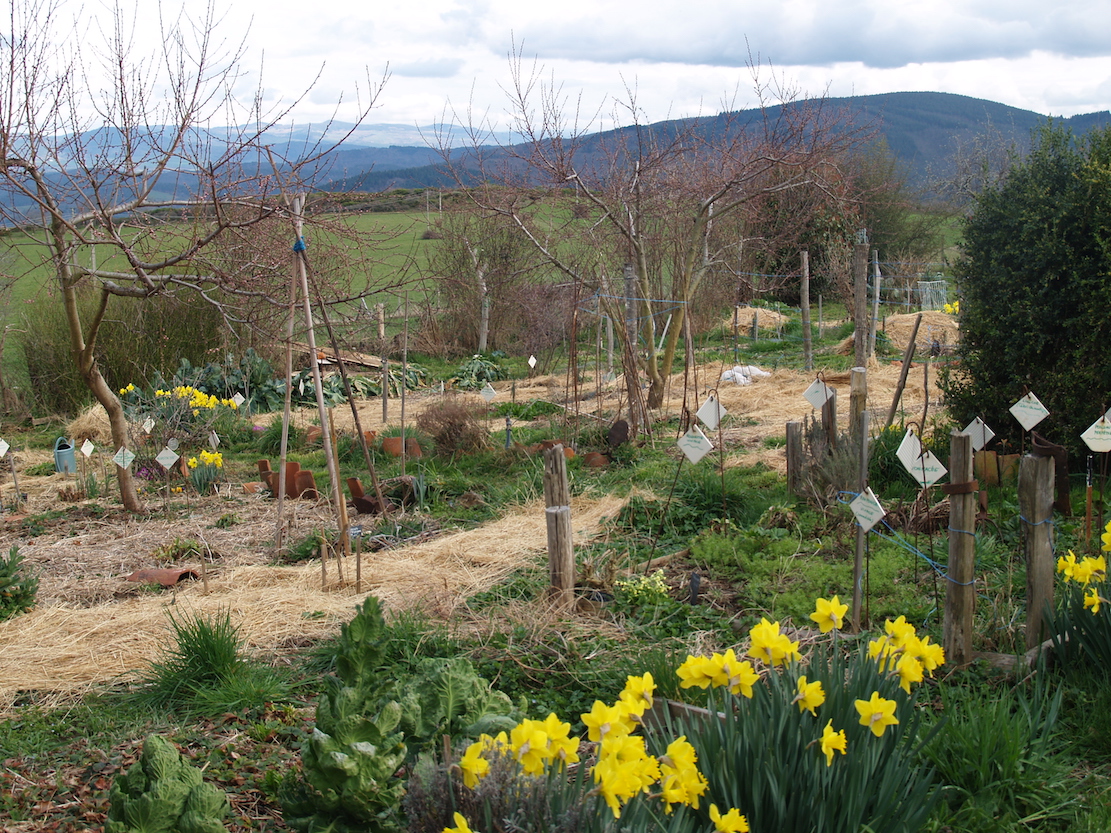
{"x": 910, "y": 670}
{"x": 877, "y": 714}
{"x": 810, "y": 695}
{"x": 637, "y": 694}
{"x": 603, "y": 722}
{"x": 529, "y": 743}
{"x": 1092, "y": 599}
{"x": 731, "y": 822}
{"x": 832, "y": 741}
{"x": 624, "y": 768}
{"x": 561, "y": 746}
{"x": 473, "y": 765}
{"x": 696, "y": 671}
{"x": 769, "y": 645}
{"x": 680, "y": 780}
{"x": 829, "y": 614}
{"x": 460, "y": 825}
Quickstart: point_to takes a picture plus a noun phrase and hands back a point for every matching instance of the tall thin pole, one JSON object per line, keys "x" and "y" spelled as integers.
{"x": 804, "y": 292}
{"x": 404, "y": 381}
{"x": 325, "y": 430}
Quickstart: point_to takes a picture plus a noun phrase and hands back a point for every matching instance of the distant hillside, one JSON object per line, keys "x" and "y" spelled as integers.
{"x": 924, "y": 131}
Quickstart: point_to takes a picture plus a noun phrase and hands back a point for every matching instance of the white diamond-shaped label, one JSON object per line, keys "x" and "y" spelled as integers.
{"x": 532, "y": 362}
{"x": 980, "y": 433}
{"x": 867, "y": 509}
{"x": 172, "y": 443}
{"x": 694, "y": 444}
{"x": 818, "y": 393}
{"x": 4, "y": 447}
{"x": 910, "y": 449}
{"x": 1098, "y": 435}
{"x": 123, "y": 457}
{"x": 1029, "y": 411}
{"x": 301, "y": 387}
{"x": 148, "y": 425}
{"x": 927, "y": 469}
{"x": 488, "y": 393}
{"x": 87, "y": 448}
{"x": 166, "y": 458}
{"x": 239, "y": 399}
{"x": 213, "y": 440}
{"x": 711, "y": 412}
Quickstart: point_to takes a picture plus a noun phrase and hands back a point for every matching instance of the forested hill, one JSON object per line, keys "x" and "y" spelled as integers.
{"x": 924, "y": 130}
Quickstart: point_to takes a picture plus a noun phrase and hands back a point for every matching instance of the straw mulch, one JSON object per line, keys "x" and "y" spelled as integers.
{"x": 936, "y": 327}
{"x": 766, "y": 319}
{"x": 65, "y": 647}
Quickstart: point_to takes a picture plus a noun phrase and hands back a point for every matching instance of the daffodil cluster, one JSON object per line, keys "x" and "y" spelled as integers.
{"x": 1088, "y": 572}
{"x": 204, "y": 470}
{"x": 953, "y": 308}
{"x": 903, "y": 652}
{"x": 197, "y": 399}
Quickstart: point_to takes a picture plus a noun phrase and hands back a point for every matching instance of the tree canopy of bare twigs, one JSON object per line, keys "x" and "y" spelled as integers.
{"x": 671, "y": 205}
{"x": 110, "y": 162}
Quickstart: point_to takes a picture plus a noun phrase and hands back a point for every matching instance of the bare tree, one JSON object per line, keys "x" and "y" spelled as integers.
{"x": 109, "y": 160}
{"x": 646, "y": 200}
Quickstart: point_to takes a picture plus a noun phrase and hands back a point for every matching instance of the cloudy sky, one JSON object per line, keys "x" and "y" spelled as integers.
{"x": 681, "y": 57}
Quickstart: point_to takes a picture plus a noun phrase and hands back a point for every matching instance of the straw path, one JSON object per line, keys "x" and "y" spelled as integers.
{"x": 64, "y": 648}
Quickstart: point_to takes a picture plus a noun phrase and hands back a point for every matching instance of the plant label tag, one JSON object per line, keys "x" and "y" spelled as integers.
{"x": 4, "y": 447}
{"x": 172, "y": 443}
{"x": 301, "y": 387}
{"x": 694, "y": 444}
{"x": 123, "y": 458}
{"x": 980, "y": 433}
{"x": 1029, "y": 411}
{"x": 87, "y": 448}
{"x": 488, "y": 393}
{"x": 532, "y": 362}
{"x": 239, "y": 399}
{"x": 166, "y": 458}
{"x": 711, "y": 412}
{"x": 1098, "y": 435}
{"x": 867, "y": 509}
{"x": 148, "y": 425}
{"x": 818, "y": 393}
{"x": 213, "y": 440}
{"x": 910, "y": 449}
{"x": 927, "y": 469}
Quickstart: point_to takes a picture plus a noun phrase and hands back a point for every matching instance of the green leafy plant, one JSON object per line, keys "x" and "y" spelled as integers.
{"x": 477, "y": 371}
{"x": 17, "y": 589}
{"x": 161, "y": 793}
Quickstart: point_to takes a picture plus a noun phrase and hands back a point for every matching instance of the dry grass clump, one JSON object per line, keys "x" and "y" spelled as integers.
{"x": 454, "y": 427}
{"x": 90, "y": 424}
{"x": 936, "y": 327}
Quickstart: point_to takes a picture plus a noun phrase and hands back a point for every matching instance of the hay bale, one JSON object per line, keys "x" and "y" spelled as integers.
{"x": 91, "y": 424}
{"x": 766, "y": 319}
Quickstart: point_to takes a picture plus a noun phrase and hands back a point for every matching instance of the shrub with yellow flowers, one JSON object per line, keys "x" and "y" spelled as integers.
{"x": 181, "y": 412}
{"x": 787, "y": 743}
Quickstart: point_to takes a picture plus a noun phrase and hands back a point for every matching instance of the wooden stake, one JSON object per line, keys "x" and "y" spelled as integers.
{"x": 960, "y": 595}
{"x": 861, "y": 533}
{"x": 561, "y": 554}
{"x": 807, "y": 345}
{"x": 1035, "y": 503}
{"x": 908, "y": 356}
{"x": 794, "y": 458}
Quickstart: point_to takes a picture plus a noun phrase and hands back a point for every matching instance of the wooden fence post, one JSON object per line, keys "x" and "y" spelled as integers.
{"x": 1035, "y": 505}
{"x": 794, "y": 458}
{"x": 960, "y": 595}
{"x": 561, "y": 552}
{"x": 804, "y": 292}
{"x": 860, "y": 303}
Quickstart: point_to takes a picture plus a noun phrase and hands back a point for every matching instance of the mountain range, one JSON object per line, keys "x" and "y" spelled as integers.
{"x": 924, "y": 130}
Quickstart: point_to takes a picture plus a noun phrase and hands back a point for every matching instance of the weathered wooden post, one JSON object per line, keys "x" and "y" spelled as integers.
{"x": 1035, "y": 505}
{"x": 960, "y": 595}
{"x": 804, "y": 292}
{"x": 561, "y": 552}
{"x": 860, "y": 299}
{"x": 858, "y": 401}
{"x": 908, "y": 356}
{"x": 794, "y": 458}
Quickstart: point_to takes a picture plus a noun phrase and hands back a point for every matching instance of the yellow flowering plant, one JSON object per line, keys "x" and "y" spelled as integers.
{"x": 803, "y": 744}
{"x": 1080, "y": 622}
